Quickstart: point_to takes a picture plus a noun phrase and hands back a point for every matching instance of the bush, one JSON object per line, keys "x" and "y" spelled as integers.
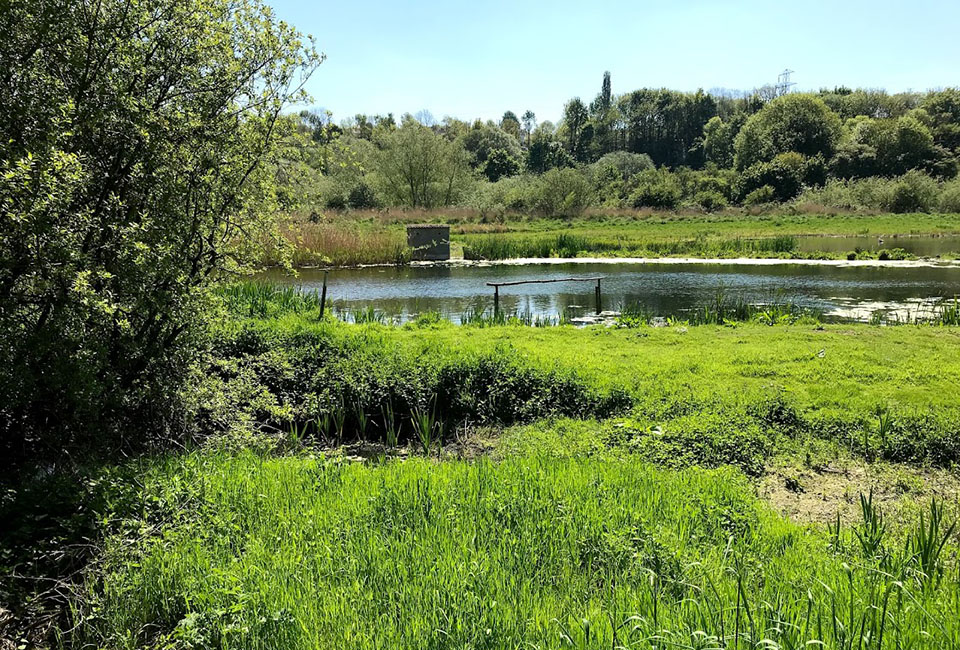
{"x": 760, "y": 196}
{"x": 784, "y": 174}
{"x": 656, "y": 188}
{"x": 511, "y": 194}
{"x": 133, "y": 170}
{"x": 914, "y": 192}
{"x": 710, "y": 201}
{"x": 362, "y": 197}
{"x": 561, "y": 193}
{"x": 950, "y": 198}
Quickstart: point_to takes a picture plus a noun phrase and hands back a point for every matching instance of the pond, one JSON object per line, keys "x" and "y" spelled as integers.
{"x": 840, "y": 292}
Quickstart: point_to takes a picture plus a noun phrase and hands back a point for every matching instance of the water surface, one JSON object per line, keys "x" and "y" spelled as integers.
{"x": 665, "y": 289}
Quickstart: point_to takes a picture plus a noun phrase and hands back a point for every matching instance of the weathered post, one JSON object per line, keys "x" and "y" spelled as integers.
{"x": 323, "y": 294}
{"x": 599, "y": 307}
{"x": 496, "y": 300}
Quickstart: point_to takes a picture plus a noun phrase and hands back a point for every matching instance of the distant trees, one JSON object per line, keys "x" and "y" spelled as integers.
{"x": 529, "y": 124}
{"x": 665, "y": 124}
{"x": 577, "y": 130}
{"x": 418, "y": 168}
{"x": 718, "y": 140}
{"x": 943, "y": 109}
{"x": 792, "y": 123}
{"x": 482, "y": 140}
{"x": 510, "y": 124}
{"x": 660, "y": 148}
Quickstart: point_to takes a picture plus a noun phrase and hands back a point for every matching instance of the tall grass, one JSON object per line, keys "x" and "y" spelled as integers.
{"x": 341, "y": 244}
{"x": 244, "y": 551}
{"x": 724, "y": 308}
{"x": 256, "y": 299}
{"x": 498, "y": 246}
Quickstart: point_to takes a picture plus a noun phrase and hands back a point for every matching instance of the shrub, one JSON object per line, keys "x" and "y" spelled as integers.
{"x": 760, "y": 196}
{"x": 656, "y": 189}
{"x": 135, "y": 166}
{"x": 362, "y": 197}
{"x": 950, "y": 198}
{"x": 914, "y": 192}
{"x": 562, "y": 193}
{"x": 784, "y": 175}
{"x": 710, "y": 200}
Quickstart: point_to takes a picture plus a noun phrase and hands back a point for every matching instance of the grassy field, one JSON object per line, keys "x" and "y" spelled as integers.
{"x": 363, "y": 238}
{"x": 240, "y": 550}
{"x": 507, "y": 486}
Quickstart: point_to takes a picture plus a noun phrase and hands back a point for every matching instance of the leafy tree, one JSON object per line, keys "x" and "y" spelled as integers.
{"x": 889, "y": 147}
{"x": 481, "y": 141}
{"x": 561, "y": 193}
{"x": 666, "y": 125}
{"x": 500, "y": 164}
{"x": 546, "y": 153}
{"x": 510, "y": 124}
{"x": 943, "y": 107}
{"x": 136, "y": 141}
{"x": 877, "y": 104}
{"x": 718, "y": 138}
{"x": 602, "y": 116}
{"x": 418, "y": 168}
{"x": 574, "y": 123}
{"x": 791, "y": 123}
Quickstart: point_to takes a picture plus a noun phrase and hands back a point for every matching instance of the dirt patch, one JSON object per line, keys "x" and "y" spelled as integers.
{"x": 817, "y": 495}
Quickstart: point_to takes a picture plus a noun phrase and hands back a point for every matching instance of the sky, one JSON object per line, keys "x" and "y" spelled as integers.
{"x": 478, "y": 59}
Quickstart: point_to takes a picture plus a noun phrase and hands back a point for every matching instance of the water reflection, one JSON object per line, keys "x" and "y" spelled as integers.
{"x": 663, "y": 289}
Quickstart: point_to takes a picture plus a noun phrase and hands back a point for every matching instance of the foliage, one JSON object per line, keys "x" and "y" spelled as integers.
{"x": 418, "y": 168}
{"x": 795, "y": 123}
{"x": 561, "y": 192}
{"x": 482, "y": 143}
{"x": 914, "y": 192}
{"x": 135, "y": 165}
{"x": 500, "y": 164}
{"x": 656, "y": 189}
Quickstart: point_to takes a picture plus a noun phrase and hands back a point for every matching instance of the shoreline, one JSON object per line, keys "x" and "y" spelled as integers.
{"x": 736, "y": 261}
{"x": 741, "y": 261}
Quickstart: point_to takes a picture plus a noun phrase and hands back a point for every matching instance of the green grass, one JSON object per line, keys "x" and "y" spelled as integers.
{"x": 671, "y": 235}
{"x": 617, "y": 508}
{"x": 245, "y": 551}
{"x": 740, "y": 393}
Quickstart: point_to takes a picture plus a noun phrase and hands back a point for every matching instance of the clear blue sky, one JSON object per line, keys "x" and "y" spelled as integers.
{"x": 478, "y": 59}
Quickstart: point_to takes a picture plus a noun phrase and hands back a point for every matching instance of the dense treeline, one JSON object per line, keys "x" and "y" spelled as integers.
{"x": 650, "y": 148}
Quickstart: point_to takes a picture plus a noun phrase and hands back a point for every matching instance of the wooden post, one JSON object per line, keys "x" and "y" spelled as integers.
{"x": 496, "y": 301}
{"x": 599, "y": 307}
{"x": 323, "y": 294}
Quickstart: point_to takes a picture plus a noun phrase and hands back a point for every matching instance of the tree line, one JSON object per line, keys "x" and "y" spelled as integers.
{"x": 654, "y": 148}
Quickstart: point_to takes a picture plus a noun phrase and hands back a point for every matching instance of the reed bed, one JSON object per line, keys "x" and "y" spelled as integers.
{"x": 497, "y": 246}
{"x": 340, "y": 244}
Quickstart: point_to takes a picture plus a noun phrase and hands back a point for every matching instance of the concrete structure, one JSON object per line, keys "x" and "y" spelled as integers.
{"x": 429, "y": 242}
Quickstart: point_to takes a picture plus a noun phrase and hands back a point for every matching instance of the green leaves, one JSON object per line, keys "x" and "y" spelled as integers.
{"x": 136, "y": 139}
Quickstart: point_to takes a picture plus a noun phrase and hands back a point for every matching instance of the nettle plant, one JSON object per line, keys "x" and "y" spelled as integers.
{"x": 138, "y": 142}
